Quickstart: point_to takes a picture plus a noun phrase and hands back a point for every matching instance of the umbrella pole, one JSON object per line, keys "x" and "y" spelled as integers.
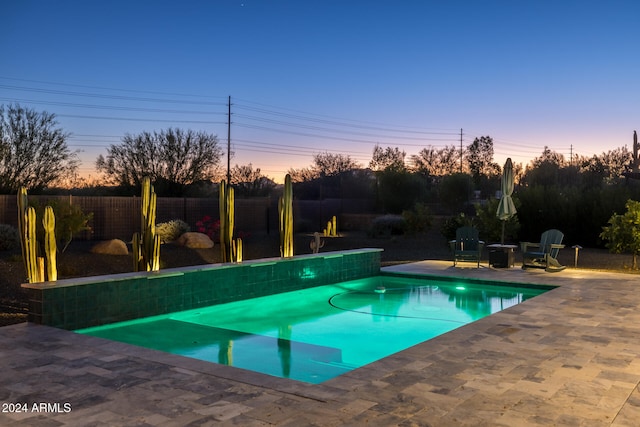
{"x": 502, "y": 240}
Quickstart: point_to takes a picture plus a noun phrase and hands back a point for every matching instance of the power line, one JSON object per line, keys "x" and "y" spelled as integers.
{"x": 133, "y": 119}
{"x": 112, "y": 107}
{"x": 103, "y": 96}
{"x": 111, "y": 88}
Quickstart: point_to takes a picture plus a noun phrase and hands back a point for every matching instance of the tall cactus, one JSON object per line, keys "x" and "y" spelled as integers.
{"x": 28, "y": 240}
{"x": 146, "y": 244}
{"x": 285, "y": 208}
{"x": 50, "y": 246}
{"x": 227, "y": 222}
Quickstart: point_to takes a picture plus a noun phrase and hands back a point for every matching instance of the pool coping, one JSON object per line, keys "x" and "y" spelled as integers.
{"x": 568, "y": 356}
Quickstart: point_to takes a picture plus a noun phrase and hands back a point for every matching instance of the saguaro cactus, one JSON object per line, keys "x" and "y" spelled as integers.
{"x": 28, "y": 240}
{"x": 227, "y": 218}
{"x": 146, "y": 244}
{"x": 50, "y": 246}
{"x": 285, "y": 208}
{"x": 34, "y": 265}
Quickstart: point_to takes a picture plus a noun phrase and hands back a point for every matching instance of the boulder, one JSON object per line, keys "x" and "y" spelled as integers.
{"x": 110, "y": 247}
{"x": 195, "y": 240}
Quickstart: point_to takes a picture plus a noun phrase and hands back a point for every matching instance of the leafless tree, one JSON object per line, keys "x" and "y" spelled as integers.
{"x": 33, "y": 150}
{"x": 174, "y": 157}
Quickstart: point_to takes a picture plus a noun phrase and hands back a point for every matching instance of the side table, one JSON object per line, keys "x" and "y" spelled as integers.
{"x": 501, "y": 256}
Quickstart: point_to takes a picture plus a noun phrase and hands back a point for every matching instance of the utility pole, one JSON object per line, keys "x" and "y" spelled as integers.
{"x": 229, "y": 144}
{"x": 571, "y": 156}
{"x": 460, "y": 150}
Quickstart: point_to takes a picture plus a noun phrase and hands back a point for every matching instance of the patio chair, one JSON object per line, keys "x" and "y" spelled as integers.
{"x": 467, "y": 246}
{"x": 543, "y": 254}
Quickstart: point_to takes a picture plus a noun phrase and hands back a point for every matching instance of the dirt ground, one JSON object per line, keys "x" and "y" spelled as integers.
{"x": 78, "y": 261}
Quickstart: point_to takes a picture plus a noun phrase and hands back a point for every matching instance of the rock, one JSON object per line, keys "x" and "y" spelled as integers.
{"x": 110, "y": 247}
{"x": 195, "y": 240}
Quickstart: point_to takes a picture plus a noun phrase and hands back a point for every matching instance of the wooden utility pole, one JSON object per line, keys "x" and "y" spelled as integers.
{"x": 229, "y": 144}
{"x": 460, "y": 150}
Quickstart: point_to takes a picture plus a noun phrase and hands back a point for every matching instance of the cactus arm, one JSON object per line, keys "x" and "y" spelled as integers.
{"x": 50, "y": 246}
{"x": 146, "y": 244}
{"x": 231, "y": 222}
{"x": 222, "y": 207}
{"x": 155, "y": 259}
{"x": 228, "y": 251}
{"x": 239, "y": 250}
{"x": 33, "y": 271}
{"x": 285, "y": 206}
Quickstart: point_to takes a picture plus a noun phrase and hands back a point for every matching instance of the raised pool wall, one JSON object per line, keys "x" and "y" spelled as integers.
{"x": 92, "y": 301}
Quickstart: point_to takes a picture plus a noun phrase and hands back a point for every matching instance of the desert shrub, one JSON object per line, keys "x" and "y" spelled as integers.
{"x": 387, "y": 225}
{"x": 418, "y": 219}
{"x": 9, "y": 237}
{"x": 453, "y": 223}
{"x": 623, "y": 232}
{"x": 171, "y": 230}
{"x": 70, "y": 220}
{"x": 490, "y": 226}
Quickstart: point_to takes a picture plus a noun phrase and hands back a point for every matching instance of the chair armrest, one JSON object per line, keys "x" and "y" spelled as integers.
{"x": 452, "y": 245}
{"x": 524, "y": 246}
{"x": 556, "y": 246}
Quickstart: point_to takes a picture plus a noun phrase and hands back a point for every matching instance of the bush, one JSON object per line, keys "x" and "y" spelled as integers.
{"x": 9, "y": 237}
{"x": 210, "y": 227}
{"x": 490, "y": 227}
{"x": 171, "y": 230}
{"x": 70, "y": 220}
{"x": 452, "y": 224}
{"x": 418, "y": 219}
{"x": 387, "y": 225}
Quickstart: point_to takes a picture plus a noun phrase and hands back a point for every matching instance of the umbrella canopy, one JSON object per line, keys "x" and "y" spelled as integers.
{"x": 506, "y": 207}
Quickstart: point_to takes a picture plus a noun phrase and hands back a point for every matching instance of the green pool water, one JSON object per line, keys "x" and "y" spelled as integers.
{"x": 316, "y": 334}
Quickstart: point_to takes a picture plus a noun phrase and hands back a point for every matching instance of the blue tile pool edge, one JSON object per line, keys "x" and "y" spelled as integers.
{"x": 91, "y": 301}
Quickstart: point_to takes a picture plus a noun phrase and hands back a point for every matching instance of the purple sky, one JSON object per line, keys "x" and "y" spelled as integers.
{"x": 339, "y": 76}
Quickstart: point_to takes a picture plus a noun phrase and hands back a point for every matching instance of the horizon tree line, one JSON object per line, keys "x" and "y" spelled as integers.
{"x": 34, "y": 153}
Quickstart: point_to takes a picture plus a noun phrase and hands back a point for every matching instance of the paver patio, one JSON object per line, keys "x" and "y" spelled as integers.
{"x": 568, "y": 357}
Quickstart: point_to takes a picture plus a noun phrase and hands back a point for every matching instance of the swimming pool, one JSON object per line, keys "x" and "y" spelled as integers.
{"x": 316, "y": 334}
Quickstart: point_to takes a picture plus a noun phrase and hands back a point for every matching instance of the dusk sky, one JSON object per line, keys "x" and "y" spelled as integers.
{"x": 339, "y": 76}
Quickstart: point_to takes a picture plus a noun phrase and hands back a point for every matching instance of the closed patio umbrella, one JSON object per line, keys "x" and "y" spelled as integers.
{"x": 506, "y": 208}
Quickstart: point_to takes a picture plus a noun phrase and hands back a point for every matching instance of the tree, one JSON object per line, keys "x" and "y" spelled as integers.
{"x": 327, "y": 164}
{"x": 623, "y": 232}
{"x": 480, "y": 159}
{"x": 387, "y": 159}
{"x": 324, "y": 164}
{"x": 33, "y": 150}
{"x": 172, "y": 159}
{"x": 606, "y": 168}
{"x": 249, "y": 182}
{"x": 429, "y": 161}
{"x": 545, "y": 170}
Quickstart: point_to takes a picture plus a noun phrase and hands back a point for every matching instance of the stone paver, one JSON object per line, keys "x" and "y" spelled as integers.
{"x": 568, "y": 357}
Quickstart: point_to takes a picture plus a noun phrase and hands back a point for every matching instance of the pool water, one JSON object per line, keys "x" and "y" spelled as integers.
{"x": 317, "y": 334}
